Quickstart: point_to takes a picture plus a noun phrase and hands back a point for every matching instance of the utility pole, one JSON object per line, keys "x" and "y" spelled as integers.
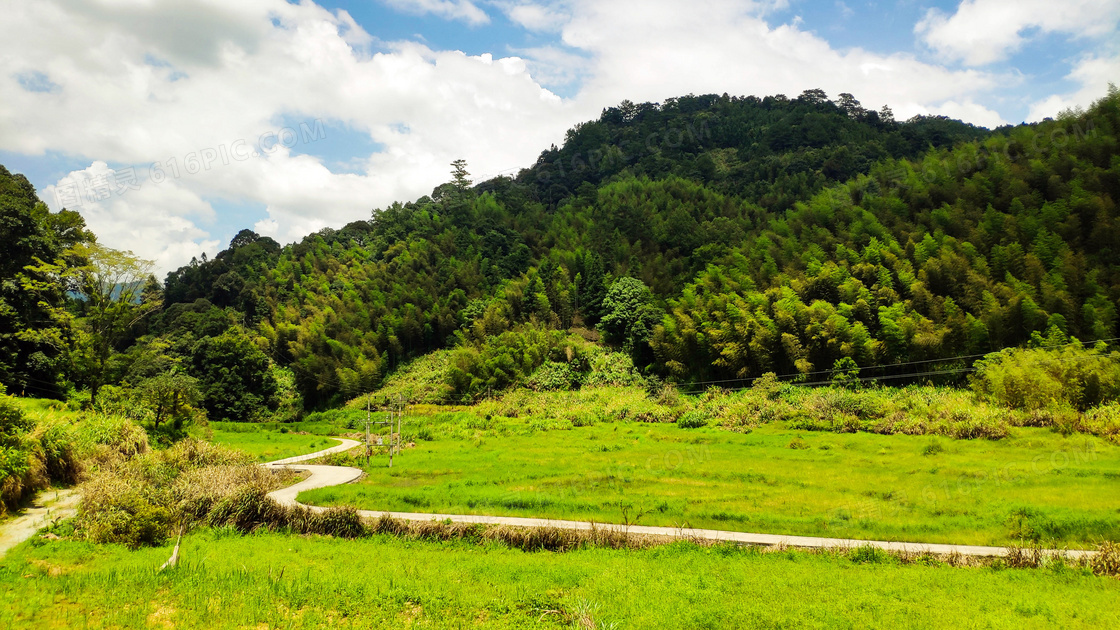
{"x": 395, "y": 417}
{"x": 400, "y": 415}
{"x": 390, "y": 439}
{"x": 368, "y": 447}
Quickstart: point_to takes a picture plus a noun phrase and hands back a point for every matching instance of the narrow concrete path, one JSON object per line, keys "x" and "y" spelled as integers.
{"x": 47, "y": 507}
{"x": 321, "y": 476}
{"x": 325, "y": 476}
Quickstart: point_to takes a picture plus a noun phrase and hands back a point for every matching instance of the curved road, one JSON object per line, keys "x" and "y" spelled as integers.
{"x": 324, "y": 476}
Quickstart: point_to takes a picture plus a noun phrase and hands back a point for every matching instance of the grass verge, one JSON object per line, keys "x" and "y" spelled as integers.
{"x": 276, "y": 580}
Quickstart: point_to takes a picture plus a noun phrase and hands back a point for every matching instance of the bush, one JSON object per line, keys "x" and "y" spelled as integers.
{"x": 424, "y": 380}
{"x": 23, "y": 469}
{"x": 612, "y": 369}
{"x": 692, "y": 420}
{"x": 136, "y": 502}
{"x": 61, "y": 459}
{"x": 251, "y": 509}
{"x": 118, "y": 511}
{"x": 1107, "y": 560}
{"x": 1103, "y": 421}
{"x": 871, "y": 555}
{"x": 552, "y": 376}
{"x": 1071, "y": 376}
{"x": 502, "y": 360}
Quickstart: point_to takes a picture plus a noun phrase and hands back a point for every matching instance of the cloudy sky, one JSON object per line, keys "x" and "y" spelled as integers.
{"x": 172, "y": 124}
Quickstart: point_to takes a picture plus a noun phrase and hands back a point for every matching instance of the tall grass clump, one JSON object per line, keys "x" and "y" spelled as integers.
{"x": 250, "y": 509}
{"x": 525, "y": 538}
{"x": 139, "y": 501}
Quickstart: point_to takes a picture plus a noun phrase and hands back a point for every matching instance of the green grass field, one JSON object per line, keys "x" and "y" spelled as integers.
{"x": 264, "y": 444}
{"x": 1035, "y": 484}
{"x": 281, "y": 581}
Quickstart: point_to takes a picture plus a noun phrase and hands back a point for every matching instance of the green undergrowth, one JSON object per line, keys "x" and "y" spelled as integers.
{"x": 912, "y": 410}
{"x": 226, "y": 580}
{"x": 44, "y": 444}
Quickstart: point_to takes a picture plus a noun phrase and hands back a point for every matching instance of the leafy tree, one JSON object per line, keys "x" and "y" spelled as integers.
{"x": 234, "y": 377}
{"x": 629, "y": 315}
{"x": 32, "y": 344}
{"x": 111, "y": 285}
{"x": 170, "y": 396}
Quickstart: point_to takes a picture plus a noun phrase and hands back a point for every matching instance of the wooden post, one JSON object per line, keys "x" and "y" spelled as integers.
{"x": 390, "y": 439}
{"x": 368, "y": 446}
{"x": 400, "y": 414}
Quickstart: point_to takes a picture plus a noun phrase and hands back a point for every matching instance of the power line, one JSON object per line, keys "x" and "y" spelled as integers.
{"x": 911, "y": 375}
{"x": 897, "y": 365}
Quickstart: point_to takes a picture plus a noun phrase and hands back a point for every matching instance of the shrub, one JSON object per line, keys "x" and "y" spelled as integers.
{"x": 251, "y": 509}
{"x": 424, "y": 380}
{"x": 1103, "y": 421}
{"x": 1035, "y": 378}
{"x": 137, "y": 501}
{"x": 22, "y": 467}
{"x": 871, "y": 555}
{"x": 1107, "y": 560}
{"x": 501, "y": 361}
{"x": 61, "y": 460}
{"x": 116, "y": 510}
{"x": 692, "y": 420}
{"x": 552, "y": 376}
{"x": 612, "y": 369}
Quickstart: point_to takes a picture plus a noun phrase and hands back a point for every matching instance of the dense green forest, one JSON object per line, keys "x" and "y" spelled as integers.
{"x": 711, "y": 239}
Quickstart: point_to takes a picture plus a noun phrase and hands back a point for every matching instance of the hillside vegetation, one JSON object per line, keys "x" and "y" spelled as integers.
{"x": 706, "y": 240}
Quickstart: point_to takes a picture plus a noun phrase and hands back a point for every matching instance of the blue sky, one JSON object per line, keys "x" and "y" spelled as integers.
{"x": 128, "y": 111}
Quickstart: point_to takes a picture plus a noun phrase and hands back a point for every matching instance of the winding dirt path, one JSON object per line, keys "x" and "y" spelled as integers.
{"x": 48, "y": 506}
{"x": 325, "y": 476}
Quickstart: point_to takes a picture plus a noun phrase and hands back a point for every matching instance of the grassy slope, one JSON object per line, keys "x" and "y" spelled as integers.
{"x": 846, "y": 485}
{"x": 261, "y": 440}
{"x": 264, "y": 444}
{"x": 273, "y": 580}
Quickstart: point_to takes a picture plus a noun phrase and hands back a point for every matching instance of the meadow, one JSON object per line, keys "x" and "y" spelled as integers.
{"x": 263, "y": 442}
{"x": 1034, "y": 485}
{"x": 270, "y": 580}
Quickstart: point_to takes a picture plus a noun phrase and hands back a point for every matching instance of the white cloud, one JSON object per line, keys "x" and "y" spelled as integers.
{"x": 1093, "y": 74}
{"x": 128, "y": 212}
{"x": 464, "y": 10}
{"x": 124, "y": 97}
{"x": 970, "y": 111}
{"x": 536, "y": 16}
{"x": 645, "y": 51}
{"x": 985, "y": 31}
{"x": 556, "y": 66}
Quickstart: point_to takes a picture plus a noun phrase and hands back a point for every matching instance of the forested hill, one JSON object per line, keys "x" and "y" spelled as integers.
{"x": 709, "y": 237}
{"x": 772, "y": 151}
